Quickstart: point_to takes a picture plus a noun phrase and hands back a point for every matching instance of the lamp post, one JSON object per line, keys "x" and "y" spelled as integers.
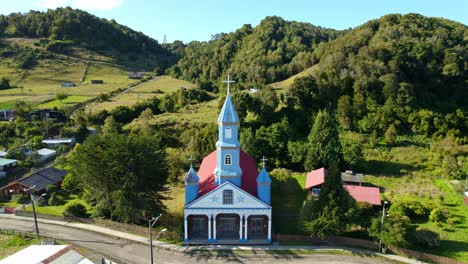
{"x": 381, "y": 226}
{"x": 34, "y": 207}
{"x": 151, "y": 223}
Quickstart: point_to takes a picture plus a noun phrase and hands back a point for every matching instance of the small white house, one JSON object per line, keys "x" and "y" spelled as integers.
{"x": 253, "y": 90}
{"x": 53, "y": 254}
{"x": 53, "y": 142}
{"x": 46, "y": 154}
{"x": 7, "y": 163}
{"x": 3, "y": 154}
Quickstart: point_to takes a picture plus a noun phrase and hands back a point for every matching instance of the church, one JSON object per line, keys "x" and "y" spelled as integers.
{"x": 228, "y": 200}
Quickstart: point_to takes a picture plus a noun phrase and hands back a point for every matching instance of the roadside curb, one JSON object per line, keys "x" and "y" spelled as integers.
{"x": 188, "y": 249}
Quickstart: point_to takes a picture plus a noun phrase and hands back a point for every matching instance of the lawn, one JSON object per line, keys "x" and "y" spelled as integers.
{"x": 206, "y": 112}
{"x": 58, "y": 209}
{"x": 10, "y": 244}
{"x": 69, "y": 101}
{"x": 165, "y": 83}
{"x": 122, "y": 99}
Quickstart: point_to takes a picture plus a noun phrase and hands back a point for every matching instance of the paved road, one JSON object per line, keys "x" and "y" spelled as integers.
{"x": 125, "y": 251}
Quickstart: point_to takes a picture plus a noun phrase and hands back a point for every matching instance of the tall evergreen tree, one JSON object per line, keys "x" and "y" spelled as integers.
{"x": 324, "y": 144}
{"x": 332, "y": 213}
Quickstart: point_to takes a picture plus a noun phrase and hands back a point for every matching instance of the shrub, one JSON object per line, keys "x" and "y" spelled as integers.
{"x": 55, "y": 199}
{"x": 4, "y": 83}
{"x": 20, "y": 198}
{"x": 75, "y": 208}
{"x": 51, "y": 188}
{"x": 438, "y": 215}
{"x": 426, "y": 238}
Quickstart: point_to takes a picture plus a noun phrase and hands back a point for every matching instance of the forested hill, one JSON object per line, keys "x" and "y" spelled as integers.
{"x": 410, "y": 59}
{"x": 272, "y": 51}
{"x": 62, "y": 28}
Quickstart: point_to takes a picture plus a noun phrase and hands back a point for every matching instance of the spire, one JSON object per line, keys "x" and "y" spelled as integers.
{"x": 191, "y": 177}
{"x": 263, "y": 176}
{"x": 228, "y": 112}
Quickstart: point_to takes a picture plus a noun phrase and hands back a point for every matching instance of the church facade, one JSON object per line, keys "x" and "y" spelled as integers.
{"x": 228, "y": 201}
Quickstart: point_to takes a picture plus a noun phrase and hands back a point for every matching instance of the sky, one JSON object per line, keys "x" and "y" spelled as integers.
{"x": 189, "y": 20}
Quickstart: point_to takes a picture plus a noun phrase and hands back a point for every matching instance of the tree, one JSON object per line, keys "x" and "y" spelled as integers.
{"x": 111, "y": 126}
{"x": 324, "y": 144}
{"x": 391, "y": 135}
{"x": 61, "y": 96}
{"x": 333, "y": 212}
{"x": 394, "y": 229}
{"x": 344, "y": 112}
{"x": 4, "y": 83}
{"x": 122, "y": 176}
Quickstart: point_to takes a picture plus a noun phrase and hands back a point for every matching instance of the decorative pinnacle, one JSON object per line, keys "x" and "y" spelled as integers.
{"x": 191, "y": 159}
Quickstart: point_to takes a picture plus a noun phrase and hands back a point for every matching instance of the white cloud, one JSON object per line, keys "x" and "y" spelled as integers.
{"x": 82, "y": 4}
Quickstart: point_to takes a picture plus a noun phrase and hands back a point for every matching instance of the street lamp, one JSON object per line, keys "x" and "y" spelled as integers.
{"x": 381, "y": 226}
{"x": 34, "y": 207}
{"x": 151, "y": 223}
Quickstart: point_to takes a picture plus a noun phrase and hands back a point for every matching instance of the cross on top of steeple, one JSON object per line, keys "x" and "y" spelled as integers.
{"x": 263, "y": 160}
{"x": 191, "y": 159}
{"x": 228, "y": 81}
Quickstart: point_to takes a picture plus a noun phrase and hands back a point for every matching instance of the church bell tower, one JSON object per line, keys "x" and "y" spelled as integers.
{"x": 228, "y": 146}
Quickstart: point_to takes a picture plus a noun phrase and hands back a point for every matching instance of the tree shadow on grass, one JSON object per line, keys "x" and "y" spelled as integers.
{"x": 388, "y": 167}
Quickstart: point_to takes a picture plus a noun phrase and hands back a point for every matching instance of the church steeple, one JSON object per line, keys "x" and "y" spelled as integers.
{"x": 264, "y": 185}
{"x": 191, "y": 184}
{"x": 228, "y": 146}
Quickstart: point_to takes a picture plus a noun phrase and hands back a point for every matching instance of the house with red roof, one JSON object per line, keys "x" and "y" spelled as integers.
{"x": 228, "y": 200}
{"x": 371, "y": 195}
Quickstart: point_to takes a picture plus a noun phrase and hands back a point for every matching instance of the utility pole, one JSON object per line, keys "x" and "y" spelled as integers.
{"x": 34, "y": 207}
{"x": 151, "y": 223}
{"x": 381, "y": 226}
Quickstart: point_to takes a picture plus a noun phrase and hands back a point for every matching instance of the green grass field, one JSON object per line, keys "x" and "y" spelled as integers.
{"x": 58, "y": 209}
{"x": 70, "y": 100}
{"x": 285, "y": 84}
{"x": 10, "y": 244}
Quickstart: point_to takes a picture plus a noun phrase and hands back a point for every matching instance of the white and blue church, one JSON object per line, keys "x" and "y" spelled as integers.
{"x": 228, "y": 201}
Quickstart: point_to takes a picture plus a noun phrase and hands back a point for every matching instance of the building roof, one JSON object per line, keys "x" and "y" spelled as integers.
{"x": 351, "y": 177}
{"x": 46, "y": 152}
{"x": 4, "y": 162}
{"x": 315, "y": 177}
{"x": 40, "y": 179}
{"x": 46, "y": 253}
{"x": 248, "y": 179}
{"x": 228, "y": 112}
{"x": 364, "y": 194}
{"x": 3, "y": 153}
{"x": 263, "y": 176}
{"x": 59, "y": 141}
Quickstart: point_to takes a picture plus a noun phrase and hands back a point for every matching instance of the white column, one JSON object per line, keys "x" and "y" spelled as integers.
{"x": 269, "y": 227}
{"x": 246, "y": 221}
{"x": 185, "y": 229}
{"x": 209, "y": 226}
{"x": 240, "y": 226}
{"x": 214, "y": 226}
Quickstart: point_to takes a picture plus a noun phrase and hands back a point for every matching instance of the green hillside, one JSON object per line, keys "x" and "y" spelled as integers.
{"x": 272, "y": 51}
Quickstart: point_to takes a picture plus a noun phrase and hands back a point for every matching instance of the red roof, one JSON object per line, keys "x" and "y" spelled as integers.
{"x": 315, "y": 177}
{"x": 207, "y": 178}
{"x": 359, "y": 193}
{"x": 364, "y": 194}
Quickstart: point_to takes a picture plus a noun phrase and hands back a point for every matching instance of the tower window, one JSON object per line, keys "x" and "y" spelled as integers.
{"x": 227, "y": 132}
{"x": 227, "y": 159}
{"x": 227, "y": 197}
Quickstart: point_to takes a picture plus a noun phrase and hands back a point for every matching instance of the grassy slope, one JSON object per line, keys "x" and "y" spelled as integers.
{"x": 285, "y": 84}
{"x": 42, "y": 82}
{"x": 58, "y": 209}
{"x": 11, "y": 244}
{"x": 159, "y": 86}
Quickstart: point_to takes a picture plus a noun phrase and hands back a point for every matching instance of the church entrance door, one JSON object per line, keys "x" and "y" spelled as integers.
{"x": 198, "y": 227}
{"x": 227, "y": 226}
{"x": 258, "y": 227}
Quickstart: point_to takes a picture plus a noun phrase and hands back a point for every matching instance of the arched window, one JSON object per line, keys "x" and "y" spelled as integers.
{"x": 227, "y": 159}
{"x": 227, "y": 197}
{"x": 227, "y": 132}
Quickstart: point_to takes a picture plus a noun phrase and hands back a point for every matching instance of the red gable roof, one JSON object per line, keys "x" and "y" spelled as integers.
{"x": 207, "y": 178}
{"x": 315, "y": 177}
{"x": 359, "y": 193}
{"x": 364, "y": 194}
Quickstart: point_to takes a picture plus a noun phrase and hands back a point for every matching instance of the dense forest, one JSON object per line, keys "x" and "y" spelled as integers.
{"x": 60, "y": 28}
{"x": 270, "y": 52}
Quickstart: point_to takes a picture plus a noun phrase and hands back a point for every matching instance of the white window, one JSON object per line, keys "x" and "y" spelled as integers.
{"x": 227, "y": 197}
{"x": 227, "y": 132}
{"x": 227, "y": 160}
